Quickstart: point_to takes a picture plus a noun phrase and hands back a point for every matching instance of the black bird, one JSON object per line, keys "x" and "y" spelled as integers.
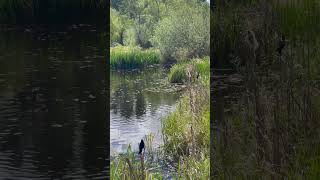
{"x": 141, "y": 146}
{"x": 282, "y": 44}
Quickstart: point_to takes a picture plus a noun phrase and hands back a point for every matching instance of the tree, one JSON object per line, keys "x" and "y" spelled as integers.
{"x": 185, "y": 29}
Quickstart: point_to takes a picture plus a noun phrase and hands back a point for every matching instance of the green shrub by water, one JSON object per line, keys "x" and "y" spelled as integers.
{"x": 176, "y": 127}
{"x": 186, "y": 131}
{"x": 188, "y": 150}
{"x": 127, "y": 166}
{"x": 178, "y": 72}
{"x": 132, "y": 57}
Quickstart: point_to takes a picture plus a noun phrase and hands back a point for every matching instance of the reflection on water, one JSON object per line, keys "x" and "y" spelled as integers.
{"x": 138, "y": 102}
{"x": 53, "y": 104}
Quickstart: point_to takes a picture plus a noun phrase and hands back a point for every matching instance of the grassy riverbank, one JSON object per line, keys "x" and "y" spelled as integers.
{"x": 122, "y": 57}
{"x": 185, "y": 152}
{"x": 180, "y": 33}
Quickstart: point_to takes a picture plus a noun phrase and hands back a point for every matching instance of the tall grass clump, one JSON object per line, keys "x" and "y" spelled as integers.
{"x": 186, "y": 136}
{"x": 132, "y": 57}
{"x": 128, "y": 166}
{"x": 176, "y": 128}
{"x": 186, "y": 131}
{"x": 178, "y": 73}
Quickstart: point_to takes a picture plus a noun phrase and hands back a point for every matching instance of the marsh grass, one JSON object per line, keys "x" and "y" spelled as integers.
{"x": 131, "y": 166}
{"x": 178, "y": 73}
{"x": 188, "y": 159}
{"x": 194, "y": 168}
{"x": 126, "y": 166}
{"x": 51, "y": 11}
{"x": 271, "y": 130}
{"x": 176, "y": 127}
{"x": 186, "y": 131}
{"x": 132, "y": 57}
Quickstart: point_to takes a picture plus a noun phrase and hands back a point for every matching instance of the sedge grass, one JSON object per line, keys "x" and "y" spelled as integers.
{"x": 178, "y": 73}
{"x": 177, "y": 137}
{"x": 132, "y": 57}
{"x": 176, "y": 144}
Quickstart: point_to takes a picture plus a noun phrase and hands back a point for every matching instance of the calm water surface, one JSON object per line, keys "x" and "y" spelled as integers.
{"x": 53, "y": 121}
{"x": 139, "y": 100}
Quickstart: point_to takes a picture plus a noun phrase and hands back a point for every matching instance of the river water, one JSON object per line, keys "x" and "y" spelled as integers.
{"x": 53, "y": 117}
{"x": 138, "y": 102}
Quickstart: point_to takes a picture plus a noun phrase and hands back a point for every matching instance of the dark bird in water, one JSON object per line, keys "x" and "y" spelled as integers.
{"x": 141, "y": 146}
{"x": 282, "y": 44}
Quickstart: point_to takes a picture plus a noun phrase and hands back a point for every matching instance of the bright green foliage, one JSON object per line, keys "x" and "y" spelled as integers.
{"x": 176, "y": 128}
{"x": 194, "y": 168}
{"x": 178, "y": 72}
{"x": 132, "y": 57}
{"x": 180, "y": 141}
{"x": 180, "y": 29}
{"x": 144, "y": 15}
{"x": 119, "y": 31}
{"x": 186, "y": 28}
{"x": 126, "y": 167}
{"x": 130, "y": 37}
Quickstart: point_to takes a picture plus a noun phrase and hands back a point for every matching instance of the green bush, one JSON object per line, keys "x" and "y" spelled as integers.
{"x": 178, "y": 74}
{"x": 185, "y": 29}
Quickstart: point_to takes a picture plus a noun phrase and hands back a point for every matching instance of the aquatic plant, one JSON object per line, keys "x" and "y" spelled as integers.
{"x": 186, "y": 150}
{"x": 125, "y": 166}
{"x": 176, "y": 127}
{"x": 191, "y": 167}
{"x": 132, "y": 166}
{"x": 122, "y": 57}
{"x": 178, "y": 73}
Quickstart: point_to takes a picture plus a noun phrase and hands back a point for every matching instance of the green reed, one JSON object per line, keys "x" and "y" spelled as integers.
{"x": 132, "y": 57}
{"x": 177, "y": 139}
{"x": 178, "y": 72}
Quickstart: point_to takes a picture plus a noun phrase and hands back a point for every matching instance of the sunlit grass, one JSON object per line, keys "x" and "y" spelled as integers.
{"x": 132, "y": 57}
{"x": 178, "y": 72}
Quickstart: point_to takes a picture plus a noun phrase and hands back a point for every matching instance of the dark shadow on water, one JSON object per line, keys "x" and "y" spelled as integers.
{"x": 53, "y": 104}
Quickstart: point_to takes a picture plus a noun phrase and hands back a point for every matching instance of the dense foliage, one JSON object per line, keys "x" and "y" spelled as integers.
{"x": 179, "y": 29}
{"x": 142, "y": 33}
{"x": 266, "y": 126}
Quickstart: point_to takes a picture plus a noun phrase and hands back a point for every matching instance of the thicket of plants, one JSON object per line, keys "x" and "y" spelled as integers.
{"x": 185, "y": 153}
{"x": 172, "y": 31}
{"x": 179, "y": 29}
{"x": 271, "y": 130}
